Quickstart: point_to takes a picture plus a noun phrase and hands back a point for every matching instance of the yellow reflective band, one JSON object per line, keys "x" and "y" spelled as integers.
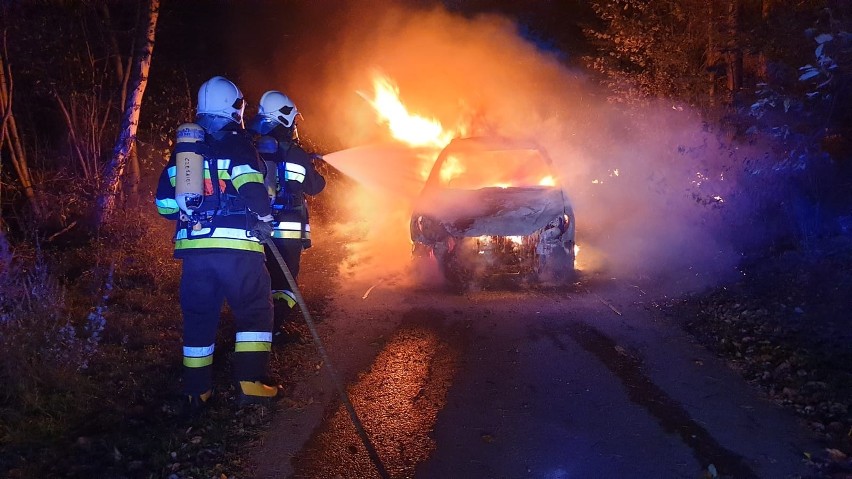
{"x": 198, "y": 362}
{"x": 252, "y": 347}
{"x": 219, "y": 232}
{"x": 287, "y": 234}
{"x": 243, "y": 174}
{"x": 224, "y": 243}
{"x": 241, "y": 180}
{"x": 284, "y": 295}
{"x": 166, "y": 211}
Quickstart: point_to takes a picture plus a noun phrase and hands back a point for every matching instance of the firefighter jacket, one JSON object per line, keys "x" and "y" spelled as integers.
{"x": 229, "y": 210}
{"x": 296, "y": 177}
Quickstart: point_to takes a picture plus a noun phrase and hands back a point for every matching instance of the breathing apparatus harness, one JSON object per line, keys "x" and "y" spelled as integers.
{"x": 286, "y": 201}
{"x": 194, "y": 153}
{"x": 283, "y": 201}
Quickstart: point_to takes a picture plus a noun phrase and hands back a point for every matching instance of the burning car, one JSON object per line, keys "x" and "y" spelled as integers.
{"x": 493, "y": 206}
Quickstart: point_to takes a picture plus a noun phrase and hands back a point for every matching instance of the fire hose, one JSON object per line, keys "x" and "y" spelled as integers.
{"x": 344, "y": 397}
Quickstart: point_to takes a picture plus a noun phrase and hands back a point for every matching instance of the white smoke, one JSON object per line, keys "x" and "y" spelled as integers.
{"x": 636, "y": 183}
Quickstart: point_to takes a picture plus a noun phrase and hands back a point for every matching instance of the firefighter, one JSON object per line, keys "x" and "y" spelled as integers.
{"x": 220, "y": 227}
{"x": 291, "y": 175}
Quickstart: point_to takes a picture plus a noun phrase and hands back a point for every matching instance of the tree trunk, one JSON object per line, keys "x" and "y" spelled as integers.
{"x": 132, "y": 179}
{"x": 130, "y": 123}
{"x": 712, "y": 53}
{"x": 10, "y": 136}
{"x": 766, "y": 8}
{"x": 734, "y": 50}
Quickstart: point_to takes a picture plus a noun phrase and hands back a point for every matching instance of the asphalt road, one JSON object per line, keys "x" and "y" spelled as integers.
{"x": 589, "y": 380}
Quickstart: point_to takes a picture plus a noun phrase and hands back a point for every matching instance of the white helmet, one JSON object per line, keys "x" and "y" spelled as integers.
{"x": 219, "y": 96}
{"x": 277, "y": 108}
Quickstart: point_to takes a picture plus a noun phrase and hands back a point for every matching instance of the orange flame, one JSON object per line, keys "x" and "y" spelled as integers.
{"x": 452, "y": 169}
{"x": 410, "y": 128}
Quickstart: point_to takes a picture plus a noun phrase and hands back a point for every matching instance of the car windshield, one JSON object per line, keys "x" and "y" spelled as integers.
{"x": 474, "y": 169}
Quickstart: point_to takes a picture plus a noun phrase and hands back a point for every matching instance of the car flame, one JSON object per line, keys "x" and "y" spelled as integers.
{"x": 429, "y": 136}
{"x": 452, "y": 169}
{"x": 405, "y": 126}
{"x": 548, "y": 180}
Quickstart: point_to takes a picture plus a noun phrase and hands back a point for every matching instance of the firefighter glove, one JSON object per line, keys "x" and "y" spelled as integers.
{"x": 263, "y": 228}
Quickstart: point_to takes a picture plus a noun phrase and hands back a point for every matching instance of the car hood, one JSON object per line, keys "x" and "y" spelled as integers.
{"x": 493, "y": 211}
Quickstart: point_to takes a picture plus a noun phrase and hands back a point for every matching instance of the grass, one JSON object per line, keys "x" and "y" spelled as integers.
{"x": 91, "y": 335}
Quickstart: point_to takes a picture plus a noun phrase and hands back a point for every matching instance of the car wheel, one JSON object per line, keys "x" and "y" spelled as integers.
{"x": 453, "y": 267}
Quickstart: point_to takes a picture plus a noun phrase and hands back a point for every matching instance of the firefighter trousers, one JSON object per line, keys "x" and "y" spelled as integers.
{"x": 208, "y": 279}
{"x": 282, "y": 291}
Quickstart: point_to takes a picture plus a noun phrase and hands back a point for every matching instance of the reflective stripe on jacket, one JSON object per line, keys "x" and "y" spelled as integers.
{"x": 297, "y": 177}
{"x": 238, "y": 171}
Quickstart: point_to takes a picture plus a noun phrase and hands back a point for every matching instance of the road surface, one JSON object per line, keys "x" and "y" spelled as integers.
{"x": 588, "y": 380}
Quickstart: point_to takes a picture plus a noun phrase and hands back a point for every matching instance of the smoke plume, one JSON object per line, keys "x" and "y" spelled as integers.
{"x": 648, "y": 191}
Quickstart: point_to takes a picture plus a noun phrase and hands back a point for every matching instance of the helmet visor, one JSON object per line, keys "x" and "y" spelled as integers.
{"x": 238, "y": 106}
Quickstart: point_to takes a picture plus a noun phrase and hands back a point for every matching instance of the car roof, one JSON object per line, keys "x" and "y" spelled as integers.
{"x": 474, "y": 144}
{"x": 491, "y": 143}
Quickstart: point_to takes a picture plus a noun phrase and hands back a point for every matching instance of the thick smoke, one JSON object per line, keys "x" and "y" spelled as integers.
{"x": 647, "y": 190}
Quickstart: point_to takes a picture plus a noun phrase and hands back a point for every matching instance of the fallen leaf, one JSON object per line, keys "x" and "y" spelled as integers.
{"x": 836, "y": 455}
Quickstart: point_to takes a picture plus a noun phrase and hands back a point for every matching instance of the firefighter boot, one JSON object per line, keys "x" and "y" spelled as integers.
{"x": 196, "y": 404}
{"x": 256, "y": 392}
{"x": 283, "y": 330}
{"x": 282, "y": 311}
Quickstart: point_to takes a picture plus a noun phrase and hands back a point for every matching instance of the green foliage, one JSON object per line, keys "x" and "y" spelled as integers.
{"x": 651, "y": 49}
{"x": 73, "y": 366}
{"x": 770, "y": 69}
{"x": 43, "y": 352}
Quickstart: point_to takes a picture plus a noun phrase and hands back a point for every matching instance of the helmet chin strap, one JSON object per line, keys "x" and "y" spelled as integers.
{"x": 212, "y": 123}
{"x": 284, "y": 133}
